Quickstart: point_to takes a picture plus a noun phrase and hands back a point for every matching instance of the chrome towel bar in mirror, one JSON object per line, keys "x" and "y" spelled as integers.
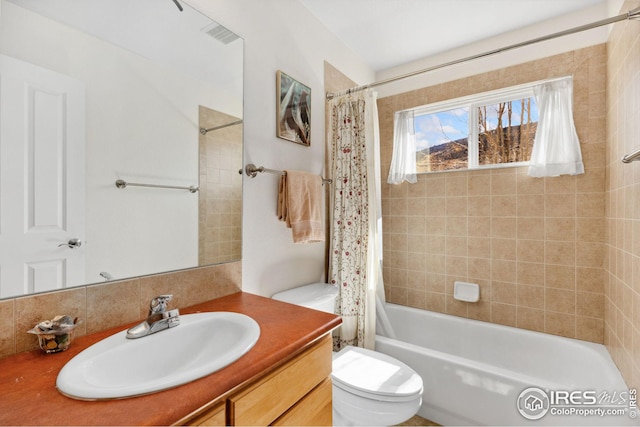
{"x": 124, "y": 184}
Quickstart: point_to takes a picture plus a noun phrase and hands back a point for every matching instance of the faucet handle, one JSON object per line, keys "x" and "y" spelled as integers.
{"x": 159, "y": 304}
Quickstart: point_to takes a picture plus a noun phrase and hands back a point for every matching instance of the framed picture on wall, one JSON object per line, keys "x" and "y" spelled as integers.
{"x": 293, "y": 110}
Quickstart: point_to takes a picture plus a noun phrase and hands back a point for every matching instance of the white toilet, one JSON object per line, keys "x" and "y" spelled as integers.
{"x": 369, "y": 388}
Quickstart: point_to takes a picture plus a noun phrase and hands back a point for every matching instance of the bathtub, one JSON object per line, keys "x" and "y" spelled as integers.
{"x": 474, "y": 372}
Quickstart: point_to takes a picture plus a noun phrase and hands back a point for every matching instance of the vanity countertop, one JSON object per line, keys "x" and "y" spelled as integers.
{"x": 27, "y": 380}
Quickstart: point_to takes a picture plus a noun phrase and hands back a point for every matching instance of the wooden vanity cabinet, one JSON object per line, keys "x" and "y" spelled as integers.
{"x": 296, "y": 393}
{"x": 215, "y": 416}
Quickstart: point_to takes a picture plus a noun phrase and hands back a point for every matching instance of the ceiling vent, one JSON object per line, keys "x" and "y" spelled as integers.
{"x": 220, "y": 33}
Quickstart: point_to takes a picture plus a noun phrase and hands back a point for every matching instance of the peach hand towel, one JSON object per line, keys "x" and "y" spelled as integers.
{"x": 300, "y": 205}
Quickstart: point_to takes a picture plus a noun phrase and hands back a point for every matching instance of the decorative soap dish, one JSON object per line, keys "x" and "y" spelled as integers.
{"x": 468, "y": 292}
{"x": 55, "y": 335}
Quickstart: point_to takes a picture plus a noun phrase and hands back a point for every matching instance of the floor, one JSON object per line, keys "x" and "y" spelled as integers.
{"x": 418, "y": 421}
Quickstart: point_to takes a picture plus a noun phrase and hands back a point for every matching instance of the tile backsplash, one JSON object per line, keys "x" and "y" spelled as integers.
{"x": 110, "y": 304}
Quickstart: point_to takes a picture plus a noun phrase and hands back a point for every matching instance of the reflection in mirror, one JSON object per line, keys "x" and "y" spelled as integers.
{"x": 220, "y": 234}
{"x": 92, "y": 92}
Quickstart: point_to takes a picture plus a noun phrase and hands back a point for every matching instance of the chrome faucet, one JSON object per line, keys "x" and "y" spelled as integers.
{"x": 159, "y": 318}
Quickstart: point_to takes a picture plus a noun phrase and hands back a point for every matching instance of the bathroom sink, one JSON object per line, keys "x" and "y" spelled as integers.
{"x": 117, "y": 367}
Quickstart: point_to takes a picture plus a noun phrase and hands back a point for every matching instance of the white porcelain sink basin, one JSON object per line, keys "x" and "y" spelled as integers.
{"x": 117, "y": 367}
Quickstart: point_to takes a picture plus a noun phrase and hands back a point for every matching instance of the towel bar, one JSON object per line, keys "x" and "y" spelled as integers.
{"x": 253, "y": 170}
{"x": 631, "y": 157}
{"x": 123, "y": 184}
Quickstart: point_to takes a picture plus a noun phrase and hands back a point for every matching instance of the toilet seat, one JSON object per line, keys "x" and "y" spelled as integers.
{"x": 374, "y": 375}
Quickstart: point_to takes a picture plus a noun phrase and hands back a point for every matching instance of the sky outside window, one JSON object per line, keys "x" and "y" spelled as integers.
{"x": 442, "y": 127}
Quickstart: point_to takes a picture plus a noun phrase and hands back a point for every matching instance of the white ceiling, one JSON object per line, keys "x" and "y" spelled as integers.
{"x": 387, "y": 33}
{"x": 153, "y": 29}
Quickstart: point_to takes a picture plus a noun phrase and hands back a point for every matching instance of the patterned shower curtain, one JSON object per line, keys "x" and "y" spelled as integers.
{"x": 354, "y": 264}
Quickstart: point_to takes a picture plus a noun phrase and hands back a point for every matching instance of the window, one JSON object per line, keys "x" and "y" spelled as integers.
{"x": 493, "y": 129}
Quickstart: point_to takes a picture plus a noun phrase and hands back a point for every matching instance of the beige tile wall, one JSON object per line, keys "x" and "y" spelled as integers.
{"x": 622, "y": 255}
{"x": 535, "y": 246}
{"x": 220, "y": 201}
{"x": 107, "y": 305}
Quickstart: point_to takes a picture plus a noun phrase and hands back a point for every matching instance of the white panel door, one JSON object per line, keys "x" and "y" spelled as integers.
{"x": 42, "y": 178}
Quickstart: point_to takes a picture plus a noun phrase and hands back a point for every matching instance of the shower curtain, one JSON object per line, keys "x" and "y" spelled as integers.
{"x": 356, "y": 219}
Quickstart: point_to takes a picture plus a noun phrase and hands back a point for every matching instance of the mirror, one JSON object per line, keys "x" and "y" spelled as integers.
{"x": 97, "y": 91}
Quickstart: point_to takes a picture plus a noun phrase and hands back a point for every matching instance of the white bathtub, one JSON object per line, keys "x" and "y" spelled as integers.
{"x": 474, "y": 371}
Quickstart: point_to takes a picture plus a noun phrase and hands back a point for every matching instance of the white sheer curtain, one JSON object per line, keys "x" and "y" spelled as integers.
{"x": 556, "y": 149}
{"x": 356, "y": 246}
{"x": 403, "y": 160}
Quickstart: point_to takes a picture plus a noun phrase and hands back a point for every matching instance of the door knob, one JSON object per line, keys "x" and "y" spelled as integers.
{"x": 72, "y": 243}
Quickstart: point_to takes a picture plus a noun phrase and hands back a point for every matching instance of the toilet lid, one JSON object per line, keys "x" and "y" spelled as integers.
{"x": 315, "y": 295}
{"x": 375, "y": 375}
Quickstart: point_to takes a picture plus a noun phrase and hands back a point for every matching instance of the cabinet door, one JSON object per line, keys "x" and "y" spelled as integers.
{"x": 262, "y": 403}
{"x": 313, "y": 410}
{"x": 215, "y": 416}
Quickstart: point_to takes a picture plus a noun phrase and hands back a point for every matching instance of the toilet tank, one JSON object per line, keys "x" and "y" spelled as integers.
{"x": 318, "y": 296}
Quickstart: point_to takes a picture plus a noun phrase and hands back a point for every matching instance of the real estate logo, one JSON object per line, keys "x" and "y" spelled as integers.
{"x": 533, "y": 403}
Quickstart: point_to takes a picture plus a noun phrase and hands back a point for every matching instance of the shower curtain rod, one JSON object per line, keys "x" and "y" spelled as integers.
{"x": 632, "y": 14}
